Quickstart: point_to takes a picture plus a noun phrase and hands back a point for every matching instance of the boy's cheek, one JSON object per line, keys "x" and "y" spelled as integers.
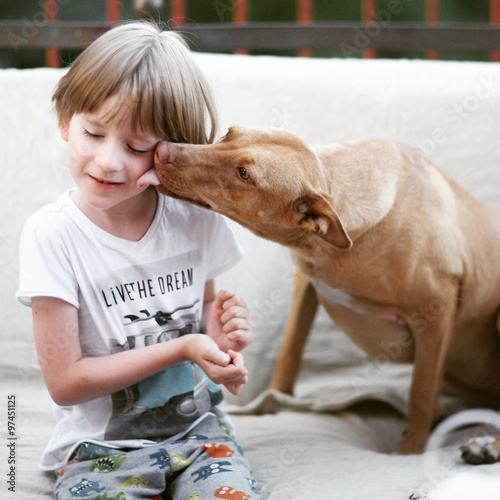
{"x": 75, "y": 154}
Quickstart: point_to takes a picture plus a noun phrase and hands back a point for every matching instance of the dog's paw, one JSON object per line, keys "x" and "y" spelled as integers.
{"x": 482, "y": 450}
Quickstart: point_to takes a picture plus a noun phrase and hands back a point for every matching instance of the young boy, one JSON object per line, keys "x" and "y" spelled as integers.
{"x": 120, "y": 281}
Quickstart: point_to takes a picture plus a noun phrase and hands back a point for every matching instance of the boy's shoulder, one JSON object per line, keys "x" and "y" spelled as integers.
{"x": 53, "y": 215}
{"x": 56, "y": 206}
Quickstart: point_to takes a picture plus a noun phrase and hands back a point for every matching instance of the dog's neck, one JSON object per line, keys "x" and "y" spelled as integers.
{"x": 361, "y": 199}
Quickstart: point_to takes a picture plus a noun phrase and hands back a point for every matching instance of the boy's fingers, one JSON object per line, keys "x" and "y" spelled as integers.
{"x": 219, "y": 358}
{"x": 236, "y": 313}
{"x": 233, "y": 300}
{"x": 234, "y": 388}
{"x": 237, "y": 361}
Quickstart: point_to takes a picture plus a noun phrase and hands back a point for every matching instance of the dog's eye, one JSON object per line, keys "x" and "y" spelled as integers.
{"x": 244, "y": 173}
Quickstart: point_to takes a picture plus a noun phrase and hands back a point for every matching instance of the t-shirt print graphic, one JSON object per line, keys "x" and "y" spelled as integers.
{"x": 171, "y": 327}
{"x": 166, "y": 403}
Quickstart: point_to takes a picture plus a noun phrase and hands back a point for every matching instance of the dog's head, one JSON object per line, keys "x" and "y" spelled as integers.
{"x": 264, "y": 178}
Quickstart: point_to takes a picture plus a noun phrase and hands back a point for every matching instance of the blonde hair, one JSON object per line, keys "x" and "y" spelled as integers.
{"x": 153, "y": 72}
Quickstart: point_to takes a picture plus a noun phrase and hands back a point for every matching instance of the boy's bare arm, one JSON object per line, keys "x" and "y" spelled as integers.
{"x": 73, "y": 379}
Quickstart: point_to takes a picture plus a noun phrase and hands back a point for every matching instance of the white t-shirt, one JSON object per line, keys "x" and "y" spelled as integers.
{"x": 129, "y": 294}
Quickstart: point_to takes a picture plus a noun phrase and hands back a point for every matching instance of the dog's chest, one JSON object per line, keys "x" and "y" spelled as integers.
{"x": 359, "y": 305}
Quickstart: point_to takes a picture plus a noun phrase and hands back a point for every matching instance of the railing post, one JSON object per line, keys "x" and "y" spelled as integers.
{"x": 495, "y": 21}
{"x": 240, "y": 16}
{"x": 52, "y": 53}
{"x": 113, "y": 11}
{"x": 178, "y": 12}
{"x": 304, "y": 16}
{"x": 367, "y": 16}
{"x": 432, "y": 17}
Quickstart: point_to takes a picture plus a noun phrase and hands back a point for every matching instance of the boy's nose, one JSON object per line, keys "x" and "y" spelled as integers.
{"x": 109, "y": 158}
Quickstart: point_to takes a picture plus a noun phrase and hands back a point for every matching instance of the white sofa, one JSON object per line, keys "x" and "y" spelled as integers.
{"x": 334, "y": 439}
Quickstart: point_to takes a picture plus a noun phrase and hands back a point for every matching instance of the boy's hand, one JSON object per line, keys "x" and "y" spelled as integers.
{"x": 228, "y": 322}
{"x": 227, "y": 368}
{"x": 234, "y": 387}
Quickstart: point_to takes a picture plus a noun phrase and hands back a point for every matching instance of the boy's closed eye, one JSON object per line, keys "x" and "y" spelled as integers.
{"x": 138, "y": 151}
{"x": 91, "y": 134}
{"x": 135, "y": 150}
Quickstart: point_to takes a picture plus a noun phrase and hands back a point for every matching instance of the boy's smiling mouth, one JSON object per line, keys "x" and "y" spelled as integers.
{"x": 104, "y": 182}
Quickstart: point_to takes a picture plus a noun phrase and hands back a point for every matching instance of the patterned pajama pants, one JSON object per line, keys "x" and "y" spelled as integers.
{"x": 205, "y": 464}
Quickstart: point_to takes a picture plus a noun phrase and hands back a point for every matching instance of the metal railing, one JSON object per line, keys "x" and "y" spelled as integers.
{"x": 375, "y": 32}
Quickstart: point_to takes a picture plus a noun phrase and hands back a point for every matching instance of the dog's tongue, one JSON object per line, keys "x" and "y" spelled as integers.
{"x": 148, "y": 179}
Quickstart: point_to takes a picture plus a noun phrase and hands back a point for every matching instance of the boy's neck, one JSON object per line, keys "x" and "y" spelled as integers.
{"x": 130, "y": 220}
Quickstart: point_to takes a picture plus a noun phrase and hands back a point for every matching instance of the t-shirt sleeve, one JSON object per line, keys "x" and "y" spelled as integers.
{"x": 45, "y": 264}
{"x": 225, "y": 252}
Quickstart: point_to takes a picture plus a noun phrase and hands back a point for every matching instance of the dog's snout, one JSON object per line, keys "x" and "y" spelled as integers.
{"x": 163, "y": 153}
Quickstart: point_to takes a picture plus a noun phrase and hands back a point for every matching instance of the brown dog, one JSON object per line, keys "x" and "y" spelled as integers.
{"x": 403, "y": 259}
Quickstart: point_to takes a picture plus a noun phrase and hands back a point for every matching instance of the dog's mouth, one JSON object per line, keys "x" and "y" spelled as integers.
{"x": 200, "y": 203}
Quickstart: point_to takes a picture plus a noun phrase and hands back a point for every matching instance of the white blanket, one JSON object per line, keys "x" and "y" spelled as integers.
{"x": 335, "y": 438}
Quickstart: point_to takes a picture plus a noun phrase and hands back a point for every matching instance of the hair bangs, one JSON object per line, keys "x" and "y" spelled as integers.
{"x": 155, "y": 78}
{"x": 169, "y": 95}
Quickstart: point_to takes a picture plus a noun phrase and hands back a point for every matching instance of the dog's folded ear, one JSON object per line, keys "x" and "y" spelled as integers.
{"x": 315, "y": 213}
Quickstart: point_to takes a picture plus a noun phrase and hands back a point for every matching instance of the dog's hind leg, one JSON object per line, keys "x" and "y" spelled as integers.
{"x": 302, "y": 312}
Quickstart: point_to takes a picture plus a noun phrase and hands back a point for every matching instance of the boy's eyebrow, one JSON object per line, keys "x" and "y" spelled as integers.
{"x": 97, "y": 123}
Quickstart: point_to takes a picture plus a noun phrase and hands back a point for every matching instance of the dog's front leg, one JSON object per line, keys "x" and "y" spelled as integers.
{"x": 431, "y": 347}
{"x": 302, "y": 312}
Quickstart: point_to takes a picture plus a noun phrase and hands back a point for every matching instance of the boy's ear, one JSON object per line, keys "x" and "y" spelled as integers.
{"x": 64, "y": 130}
